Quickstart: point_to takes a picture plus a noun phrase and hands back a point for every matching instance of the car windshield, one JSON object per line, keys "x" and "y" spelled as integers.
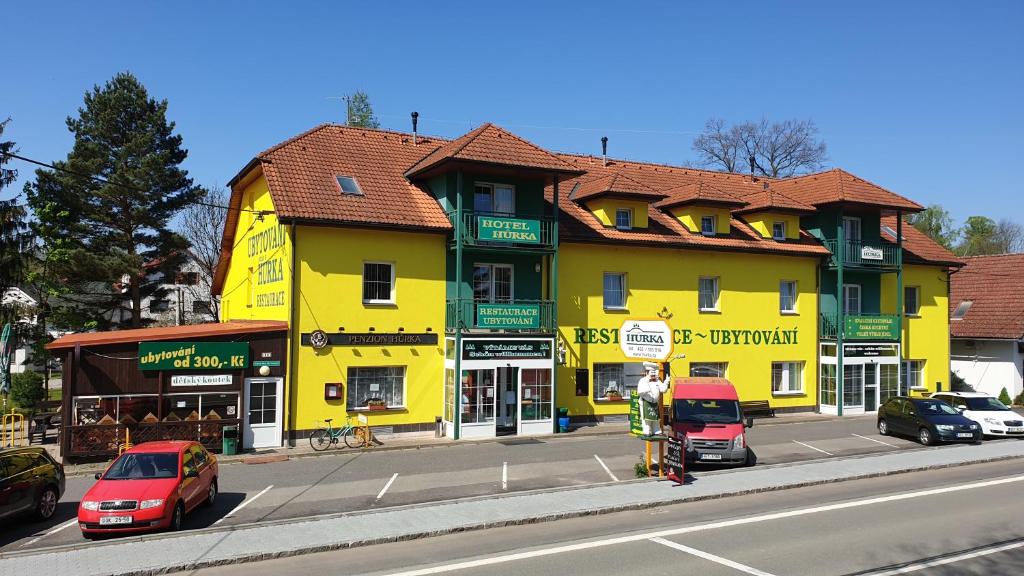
{"x": 707, "y": 411}
{"x": 981, "y": 404}
{"x": 934, "y": 408}
{"x": 143, "y": 466}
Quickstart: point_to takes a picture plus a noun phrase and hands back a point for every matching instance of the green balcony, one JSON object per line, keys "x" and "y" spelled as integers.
{"x": 864, "y": 256}
{"x": 493, "y": 231}
{"x": 468, "y": 315}
{"x": 885, "y": 327}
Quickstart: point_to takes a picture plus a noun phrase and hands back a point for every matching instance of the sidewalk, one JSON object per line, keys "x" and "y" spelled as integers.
{"x": 302, "y": 448}
{"x": 164, "y": 553}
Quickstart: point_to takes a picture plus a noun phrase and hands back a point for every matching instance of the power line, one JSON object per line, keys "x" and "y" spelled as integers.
{"x": 126, "y": 186}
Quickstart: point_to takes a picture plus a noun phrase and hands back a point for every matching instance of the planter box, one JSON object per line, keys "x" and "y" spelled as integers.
{"x": 377, "y": 407}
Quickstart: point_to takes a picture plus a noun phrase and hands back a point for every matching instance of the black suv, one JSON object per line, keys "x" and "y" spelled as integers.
{"x": 30, "y": 482}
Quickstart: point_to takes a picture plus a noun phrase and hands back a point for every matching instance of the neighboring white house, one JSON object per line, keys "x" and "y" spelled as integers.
{"x": 26, "y": 305}
{"x": 987, "y": 323}
{"x": 186, "y": 301}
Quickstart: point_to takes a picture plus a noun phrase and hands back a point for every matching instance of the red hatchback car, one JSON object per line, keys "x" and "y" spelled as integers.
{"x": 149, "y": 487}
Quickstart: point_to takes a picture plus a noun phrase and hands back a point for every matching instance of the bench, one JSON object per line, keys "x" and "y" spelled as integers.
{"x": 752, "y": 407}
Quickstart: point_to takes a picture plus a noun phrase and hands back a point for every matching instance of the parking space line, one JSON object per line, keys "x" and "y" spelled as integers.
{"x": 966, "y": 556}
{"x": 599, "y": 461}
{"x": 243, "y": 504}
{"x": 711, "y": 557}
{"x": 504, "y": 475}
{"x": 813, "y": 448}
{"x": 67, "y": 524}
{"x": 873, "y": 440}
{"x": 386, "y": 486}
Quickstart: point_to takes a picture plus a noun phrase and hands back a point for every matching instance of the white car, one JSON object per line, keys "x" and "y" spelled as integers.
{"x": 995, "y": 418}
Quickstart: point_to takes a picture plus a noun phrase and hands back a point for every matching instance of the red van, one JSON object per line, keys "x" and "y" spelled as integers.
{"x": 707, "y": 411}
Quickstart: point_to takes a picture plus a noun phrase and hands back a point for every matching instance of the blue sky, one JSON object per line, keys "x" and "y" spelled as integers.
{"x": 924, "y": 98}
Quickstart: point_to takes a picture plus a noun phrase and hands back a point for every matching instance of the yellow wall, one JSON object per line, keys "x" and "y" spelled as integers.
{"x": 662, "y": 278}
{"x": 330, "y": 282}
{"x": 604, "y": 209}
{"x": 257, "y": 285}
{"x": 925, "y": 337}
{"x": 690, "y": 217}
{"x": 763, "y": 222}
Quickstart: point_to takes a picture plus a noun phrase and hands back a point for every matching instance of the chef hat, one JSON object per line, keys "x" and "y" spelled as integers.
{"x": 650, "y": 366}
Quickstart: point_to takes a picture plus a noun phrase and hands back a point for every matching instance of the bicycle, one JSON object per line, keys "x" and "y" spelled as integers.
{"x": 323, "y": 438}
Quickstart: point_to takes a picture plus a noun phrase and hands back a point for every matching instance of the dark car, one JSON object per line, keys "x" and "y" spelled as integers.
{"x": 31, "y": 482}
{"x": 930, "y": 421}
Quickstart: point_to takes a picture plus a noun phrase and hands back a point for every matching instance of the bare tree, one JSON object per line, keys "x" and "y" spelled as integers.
{"x": 1009, "y": 236}
{"x": 775, "y": 149}
{"x": 203, "y": 226}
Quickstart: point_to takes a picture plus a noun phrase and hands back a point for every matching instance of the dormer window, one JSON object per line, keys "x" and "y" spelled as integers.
{"x": 624, "y": 219}
{"x": 708, "y": 225}
{"x": 349, "y": 186}
{"x": 779, "y": 231}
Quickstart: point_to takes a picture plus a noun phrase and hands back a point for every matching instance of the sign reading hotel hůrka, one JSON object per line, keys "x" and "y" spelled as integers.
{"x": 871, "y": 328}
{"x": 869, "y": 253}
{"x": 646, "y": 339}
{"x": 507, "y": 316}
{"x": 193, "y": 355}
{"x": 499, "y": 229}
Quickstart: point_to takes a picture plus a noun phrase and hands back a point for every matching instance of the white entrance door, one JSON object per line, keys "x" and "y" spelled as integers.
{"x": 263, "y": 412}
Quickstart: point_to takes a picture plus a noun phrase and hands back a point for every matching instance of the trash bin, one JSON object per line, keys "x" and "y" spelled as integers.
{"x": 229, "y": 441}
{"x": 563, "y": 419}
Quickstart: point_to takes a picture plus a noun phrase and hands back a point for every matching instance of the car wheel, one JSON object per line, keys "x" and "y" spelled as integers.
{"x": 211, "y": 495}
{"x": 925, "y": 436}
{"x": 883, "y": 427}
{"x": 47, "y": 503}
{"x": 177, "y": 517}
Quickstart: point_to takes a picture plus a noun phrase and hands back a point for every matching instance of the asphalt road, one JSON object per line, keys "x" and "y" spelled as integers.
{"x": 952, "y": 521}
{"x": 348, "y": 481}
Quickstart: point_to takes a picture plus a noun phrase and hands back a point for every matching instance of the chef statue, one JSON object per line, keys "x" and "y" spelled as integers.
{"x": 650, "y": 389}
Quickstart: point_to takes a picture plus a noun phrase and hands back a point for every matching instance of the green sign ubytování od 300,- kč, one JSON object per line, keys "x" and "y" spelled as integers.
{"x": 871, "y": 328}
{"x": 193, "y": 355}
{"x": 498, "y": 229}
{"x": 507, "y": 316}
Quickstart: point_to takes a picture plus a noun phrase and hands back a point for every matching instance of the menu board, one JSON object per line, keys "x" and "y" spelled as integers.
{"x": 674, "y": 460}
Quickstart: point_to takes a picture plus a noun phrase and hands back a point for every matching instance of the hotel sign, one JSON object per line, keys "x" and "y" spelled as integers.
{"x": 498, "y": 229}
{"x": 193, "y": 355}
{"x": 871, "y": 328}
{"x": 507, "y": 316}
{"x": 869, "y": 253}
{"x": 646, "y": 339}
{"x": 369, "y": 339}
{"x": 506, "y": 349}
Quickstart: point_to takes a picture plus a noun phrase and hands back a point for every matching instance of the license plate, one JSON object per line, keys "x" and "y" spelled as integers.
{"x": 113, "y": 520}
{"x": 710, "y": 456}
{"x": 1015, "y": 429}
{"x": 964, "y": 435}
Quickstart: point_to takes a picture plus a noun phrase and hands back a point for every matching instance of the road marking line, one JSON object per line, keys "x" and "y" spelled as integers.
{"x": 501, "y": 559}
{"x": 386, "y": 486}
{"x": 67, "y": 524}
{"x": 712, "y": 557}
{"x": 243, "y": 504}
{"x": 504, "y": 475}
{"x": 873, "y": 440}
{"x": 949, "y": 560}
{"x": 599, "y": 461}
{"x": 813, "y": 448}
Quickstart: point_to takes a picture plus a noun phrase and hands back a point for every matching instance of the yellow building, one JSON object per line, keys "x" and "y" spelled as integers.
{"x": 477, "y": 285}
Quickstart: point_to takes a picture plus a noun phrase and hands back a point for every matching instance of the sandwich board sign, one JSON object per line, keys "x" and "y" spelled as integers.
{"x": 646, "y": 340}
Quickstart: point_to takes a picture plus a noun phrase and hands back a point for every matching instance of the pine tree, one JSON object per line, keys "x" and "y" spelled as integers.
{"x": 13, "y": 233}
{"x": 104, "y": 214}
{"x": 360, "y": 111}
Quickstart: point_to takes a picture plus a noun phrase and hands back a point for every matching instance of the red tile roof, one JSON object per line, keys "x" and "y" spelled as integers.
{"x": 190, "y": 332}
{"x": 995, "y": 285}
{"x": 614, "y": 184}
{"x": 837, "y": 185}
{"x": 490, "y": 144}
{"x": 698, "y": 193}
{"x": 917, "y": 246}
{"x": 771, "y": 199}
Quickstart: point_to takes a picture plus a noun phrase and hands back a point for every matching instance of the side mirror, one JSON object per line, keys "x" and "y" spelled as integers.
{"x": 961, "y": 407}
{"x": 99, "y": 475}
{"x": 749, "y": 423}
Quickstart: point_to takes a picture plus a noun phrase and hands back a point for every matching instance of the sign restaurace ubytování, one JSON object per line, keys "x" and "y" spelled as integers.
{"x": 193, "y": 355}
{"x": 498, "y": 229}
{"x": 505, "y": 316}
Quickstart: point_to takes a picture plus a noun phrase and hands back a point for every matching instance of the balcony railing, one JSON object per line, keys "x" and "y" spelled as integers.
{"x": 467, "y": 314}
{"x": 879, "y": 255}
{"x": 498, "y": 231}
{"x": 860, "y": 326}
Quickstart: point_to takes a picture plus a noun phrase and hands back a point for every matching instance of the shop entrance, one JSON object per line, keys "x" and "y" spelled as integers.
{"x": 507, "y": 401}
{"x": 871, "y": 375}
{"x": 263, "y": 409}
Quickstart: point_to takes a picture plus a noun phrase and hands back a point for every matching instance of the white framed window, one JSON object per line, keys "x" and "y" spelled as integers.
{"x": 492, "y": 283}
{"x": 707, "y": 294}
{"x": 851, "y": 229}
{"x": 787, "y": 378}
{"x": 787, "y": 297}
{"x": 614, "y": 291}
{"x": 911, "y": 300}
{"x": 779, "y": 230}
{"x": 375, "y": 385}
{"x": 913, "y": 374}
{"x": 851, "y": 299}
{"x": 715, "y": 369}
{"x": 708, "y": 225}
{"x": 616, "y": 381}
{"x": 624, "y": 218}
{"x": 378, "y": 283}
{"x": 497, "y": 199}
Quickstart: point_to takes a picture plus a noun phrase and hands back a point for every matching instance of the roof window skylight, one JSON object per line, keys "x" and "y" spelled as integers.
{"x": 961, "y": 309}
{"x": 349, "y": 186}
